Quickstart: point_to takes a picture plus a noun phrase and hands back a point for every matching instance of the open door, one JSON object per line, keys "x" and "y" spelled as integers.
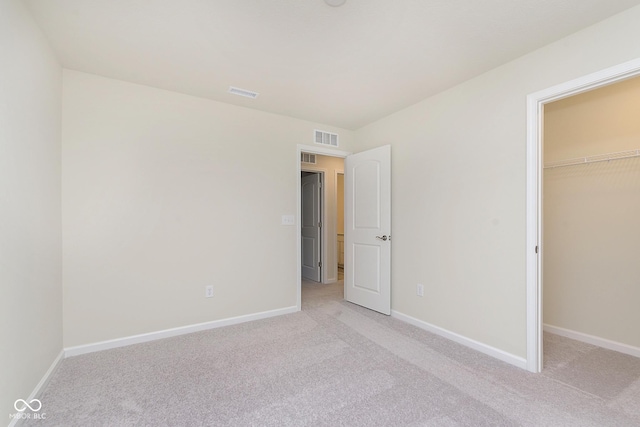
{"x": 367, "y": 229}
{"x": 310, "y": 224}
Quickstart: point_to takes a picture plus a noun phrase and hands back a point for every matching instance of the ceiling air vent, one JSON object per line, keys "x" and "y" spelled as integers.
{"x": 243, "y": 92}
{"x": 326, "y": 138}
{"x": 308, "y": 158}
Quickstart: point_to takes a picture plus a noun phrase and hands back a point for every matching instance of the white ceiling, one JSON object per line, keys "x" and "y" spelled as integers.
{"x": 343, "y": 66}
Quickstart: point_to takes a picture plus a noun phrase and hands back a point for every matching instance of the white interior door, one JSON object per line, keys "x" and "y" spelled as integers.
{"x": 311, "y": 227}
{"x": 367, "y": 229}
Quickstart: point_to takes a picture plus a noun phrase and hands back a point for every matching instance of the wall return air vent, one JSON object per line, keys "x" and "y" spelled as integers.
{"x": 243, "y": 92}
{"x": 326, "y": 138}
{"x": 308, "y": 158}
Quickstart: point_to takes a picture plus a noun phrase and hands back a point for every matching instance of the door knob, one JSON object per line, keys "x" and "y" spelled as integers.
{"x": 382, "y": 237}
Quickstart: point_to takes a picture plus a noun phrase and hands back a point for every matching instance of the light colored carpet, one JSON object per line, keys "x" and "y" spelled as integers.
{"x": 337, "y": 364}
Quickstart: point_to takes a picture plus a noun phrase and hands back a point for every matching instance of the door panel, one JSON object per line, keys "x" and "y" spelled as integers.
{"x": 366, "y": 179}
{"x": 365, "y": 277}
{"x": 309, "y": 255}
{"x": 368, "y": 229}
{"x": 310, "y": 224}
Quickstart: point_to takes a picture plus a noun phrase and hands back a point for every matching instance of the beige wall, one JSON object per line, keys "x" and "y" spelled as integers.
{"x": 330, "y": 166}
{"x": 459, "y": 187}
{"x": 600, "y": 121}
{"x": 30, "y": 246}
{"x": 164, "y": 194}
{"x": 591, "y": 212}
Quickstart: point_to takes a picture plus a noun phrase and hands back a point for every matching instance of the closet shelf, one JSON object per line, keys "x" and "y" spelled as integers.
{"x": 593, "y": 159}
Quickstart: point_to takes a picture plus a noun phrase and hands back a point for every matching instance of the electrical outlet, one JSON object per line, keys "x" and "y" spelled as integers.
{"x": 420, "y": 290}
{"x": 208, "y": 291}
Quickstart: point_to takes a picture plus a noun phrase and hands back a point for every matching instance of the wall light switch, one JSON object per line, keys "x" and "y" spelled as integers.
{"x": 208, "y": 291}
{"x": 420, "y": 290}
{"x": 288, "y": 220}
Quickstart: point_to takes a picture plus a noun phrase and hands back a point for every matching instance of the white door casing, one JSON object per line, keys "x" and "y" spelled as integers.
{"x": 310, "y": 226}
{"x": 535, "y": 161}
{"x": 367, "y": 231}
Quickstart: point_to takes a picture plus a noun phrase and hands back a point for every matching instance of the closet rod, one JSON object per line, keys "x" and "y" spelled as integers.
{"x": 593, "y": 159}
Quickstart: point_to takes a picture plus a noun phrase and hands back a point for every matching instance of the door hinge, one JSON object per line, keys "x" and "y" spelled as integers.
{"x": 320, "y": 264}
{"x": 536, "y": 249}
{"x": 320, "y": 225}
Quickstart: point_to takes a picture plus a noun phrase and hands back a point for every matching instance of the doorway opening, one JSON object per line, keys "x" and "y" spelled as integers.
{"x": 329, "y": 165}
{"x": 590, "y": 211}
{"x": 367, "y": 213}
{"x": 535, "y": 163}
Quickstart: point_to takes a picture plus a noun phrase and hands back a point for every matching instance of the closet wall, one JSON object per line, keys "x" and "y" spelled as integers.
{"x": 592, "y": 215}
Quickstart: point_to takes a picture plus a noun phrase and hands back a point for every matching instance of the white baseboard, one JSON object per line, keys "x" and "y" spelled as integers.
{"x": 47, "y": 376}
{"x": 152, "y": 336}
{"x": 43, "y": 382}
{"x": 591, "y": 339}
{"x": 520, "y": 362}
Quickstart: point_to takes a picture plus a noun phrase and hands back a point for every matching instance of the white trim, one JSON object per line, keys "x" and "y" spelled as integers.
{"x": 314, "y": 150}
{"x": 47, "y": 376}
{"x": 43, "y": 382}
{"x": 512, "y": 359}
{"x": 534, "y": 236}
{"x": 324, "y": 151}
{"x": 591, "y": 339}
{"x": 167, "y": 333}
{"x": 535, "y": 110}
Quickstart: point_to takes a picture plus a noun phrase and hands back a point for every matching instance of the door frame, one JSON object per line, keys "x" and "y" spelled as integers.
{"x": 322, "y": 255}
{"x": 534, "y": 220}
{"x": 313, "y": 150}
